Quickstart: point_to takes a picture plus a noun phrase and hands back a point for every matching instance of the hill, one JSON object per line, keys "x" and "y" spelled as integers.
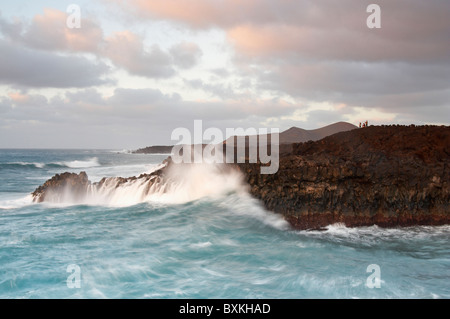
{"x": 292, "y": 135}
{"x": 298, "y": 135}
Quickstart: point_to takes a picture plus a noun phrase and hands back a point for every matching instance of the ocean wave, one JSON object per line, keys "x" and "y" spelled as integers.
{"x": 201, "y": 245}
{"x": 179, "y": 185}
{"x": 374, "y": 235}
{"x": 245, "y": 205}
{"x": 124, "y": 151}
{"x": 91, "y": 162}
{"x": 16, "y": 203}
{"x": 21, "y": 165}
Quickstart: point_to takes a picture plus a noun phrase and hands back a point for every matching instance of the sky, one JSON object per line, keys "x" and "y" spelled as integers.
{"x": 136, "y": 70}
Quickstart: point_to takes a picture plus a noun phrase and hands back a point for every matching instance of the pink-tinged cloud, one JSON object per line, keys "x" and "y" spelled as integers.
{"x": 326, "y": 29}
{"x": 207, "y": 13}
{"x": 289, "y": 41}
{"x": 49, "y": 31}
{"x": 18, "y": 97}
{"x": 127, "y": 50}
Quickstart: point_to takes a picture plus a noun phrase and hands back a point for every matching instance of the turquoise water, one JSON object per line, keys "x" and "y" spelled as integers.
{"x": 220, "y": 246}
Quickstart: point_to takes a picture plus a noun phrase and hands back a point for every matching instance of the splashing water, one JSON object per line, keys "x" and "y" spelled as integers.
{"x": 182, "y": 184}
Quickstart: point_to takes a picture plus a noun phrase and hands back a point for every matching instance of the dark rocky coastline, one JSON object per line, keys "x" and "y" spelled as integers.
{"x": 157, "y": 149}
{"x": 388, "y": 176}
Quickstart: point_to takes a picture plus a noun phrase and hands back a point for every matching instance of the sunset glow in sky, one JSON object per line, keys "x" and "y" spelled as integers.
{"x": 137, "y": 69}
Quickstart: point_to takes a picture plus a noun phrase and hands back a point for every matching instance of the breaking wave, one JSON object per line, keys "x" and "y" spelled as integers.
{"x": 181, "y": 184}
{"x": 21, "y": 165}
{"x": 91, "y": 162}
{"x": 22, "y": 201}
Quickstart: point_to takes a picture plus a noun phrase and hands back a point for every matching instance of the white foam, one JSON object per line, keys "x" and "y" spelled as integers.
{"x": 16, "y": 202}
{"x": 124, "y": 151}
{"x": 201, "y": 245}
{"x": 35, "y": 164}
{"x": 97, "y": 173}
{"x": 245, "y": 205}
{"x": 187, "y": 183}
{"x": 181, "y": 184}
{"x": 92, "y": 162}
{"x": 372, "y": 234}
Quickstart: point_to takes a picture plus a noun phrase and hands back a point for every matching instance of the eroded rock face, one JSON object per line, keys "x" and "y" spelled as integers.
{"x": 72, "y": 186}
{"x": 77, "y": 183}
{"x": 388, "y": 176}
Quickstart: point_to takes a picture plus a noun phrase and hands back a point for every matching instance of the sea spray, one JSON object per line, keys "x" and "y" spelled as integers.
{"x": 175, "y": 184}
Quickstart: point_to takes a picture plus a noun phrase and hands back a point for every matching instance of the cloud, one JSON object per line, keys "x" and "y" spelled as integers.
{"x": 223, "y": 91}
{"x": 132, "y": 118}
{"x": 127, "y": 118}
{"x": 347, "y": 78}
{"x": 127, "y": 50}
{"x": 48, "y": 31}
{"x": 282, "y": 63}
{"x": 324, "y": 50}
{"x": 197, "y": 13}
{"x": 30, "y": 68}
{"x": 410, "y": 32}
{"x": 186, "y": 54}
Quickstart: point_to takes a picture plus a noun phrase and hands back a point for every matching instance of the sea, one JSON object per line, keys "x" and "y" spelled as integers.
{"x": 204, "y": 237}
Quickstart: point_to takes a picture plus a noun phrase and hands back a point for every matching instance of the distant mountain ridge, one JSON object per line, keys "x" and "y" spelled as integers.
{"x": 299, "y": 135}
{"x": 289, "y": 136}
{"x": 157, "y": 149}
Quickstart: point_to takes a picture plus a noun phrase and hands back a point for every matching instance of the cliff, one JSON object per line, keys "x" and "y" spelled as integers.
{"x": 389, "y": 176}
